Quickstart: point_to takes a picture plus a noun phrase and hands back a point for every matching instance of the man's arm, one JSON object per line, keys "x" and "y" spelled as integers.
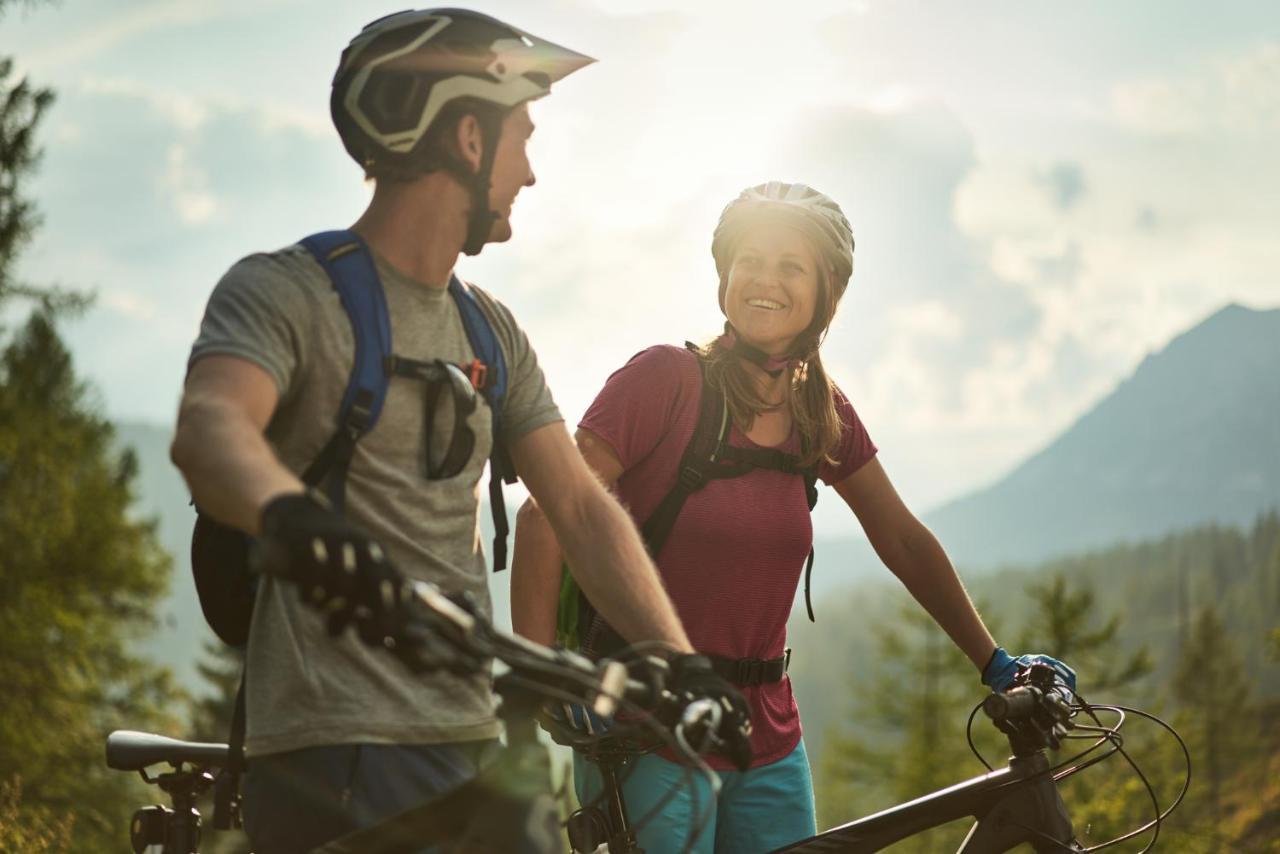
{"x": 219, "y": 445}
{"x": 604, "y": 549}
{"x": 914, "y": 555}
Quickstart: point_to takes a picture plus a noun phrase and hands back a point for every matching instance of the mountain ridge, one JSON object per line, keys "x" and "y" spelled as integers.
{"x": 1153, "y": 456}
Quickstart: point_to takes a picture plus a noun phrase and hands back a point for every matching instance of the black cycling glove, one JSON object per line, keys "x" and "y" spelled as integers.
{"x": 337, "y": 568}
{"x": 691, "y": 679}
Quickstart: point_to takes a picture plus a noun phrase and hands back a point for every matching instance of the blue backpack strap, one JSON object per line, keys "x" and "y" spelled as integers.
{"x": 484, "y": 343}
{"x": 347, "y": 260}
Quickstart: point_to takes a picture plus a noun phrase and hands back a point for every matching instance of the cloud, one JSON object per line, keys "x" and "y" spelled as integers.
{"x": 147, "y": 200}
{"x": 188, "y": 188}
{"x": 1238, "y": 94}
{"x": 1065, "y": 184}
{"x": 123, "y": 25}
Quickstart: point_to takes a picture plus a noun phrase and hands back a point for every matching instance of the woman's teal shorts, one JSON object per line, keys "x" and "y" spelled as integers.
{"x": 757, "y": 811}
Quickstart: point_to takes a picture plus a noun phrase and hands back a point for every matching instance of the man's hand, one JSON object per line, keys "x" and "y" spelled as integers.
{"x": 1002, "y": 667}
{"x": 337, "y": 568}
{"x": 693, "y": 679}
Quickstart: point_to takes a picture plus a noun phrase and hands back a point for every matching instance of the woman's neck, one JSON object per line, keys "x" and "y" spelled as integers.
{"x": 772, "y": 386}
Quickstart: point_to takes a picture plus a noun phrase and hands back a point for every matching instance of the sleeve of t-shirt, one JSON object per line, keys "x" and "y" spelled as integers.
{"x": 529, "y": 403}
{"x": 855, "y": 449}
{"x": 638, "y": 403}
{"x": 257, "y": 313}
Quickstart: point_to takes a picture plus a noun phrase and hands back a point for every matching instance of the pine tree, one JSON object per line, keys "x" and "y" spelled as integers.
{"x": 79, "y": 574}
{"x": 1213, "y": 690}
{"x": 907, "y": 736}
{"x": 1061, "y": 624}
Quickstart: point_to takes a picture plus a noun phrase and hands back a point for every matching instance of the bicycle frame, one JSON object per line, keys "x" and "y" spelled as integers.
{"x": 1012, "y": 805}
{"x": 1016, "y": 804}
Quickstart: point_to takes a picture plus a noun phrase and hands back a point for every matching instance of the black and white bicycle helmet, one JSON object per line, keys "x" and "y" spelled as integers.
{"x": 403, "y": 70}
{"x": 813, "y": 212}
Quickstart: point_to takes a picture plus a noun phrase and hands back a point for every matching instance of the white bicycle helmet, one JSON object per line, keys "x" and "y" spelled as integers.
{"x": 813, "y": 212}
{"x": 397, "y": 76}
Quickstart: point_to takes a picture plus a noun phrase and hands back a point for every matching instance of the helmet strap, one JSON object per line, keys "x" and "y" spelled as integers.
{"x": 481, "y": 218}
{"x": 771, "y": 365}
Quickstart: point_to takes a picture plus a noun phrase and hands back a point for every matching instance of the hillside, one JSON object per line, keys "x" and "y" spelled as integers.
{"x": 1192, "y": 437}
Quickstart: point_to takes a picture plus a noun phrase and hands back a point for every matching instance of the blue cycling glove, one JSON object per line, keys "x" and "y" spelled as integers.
{"x": 559, "y": 717}
{"x": 1000, "y": 670}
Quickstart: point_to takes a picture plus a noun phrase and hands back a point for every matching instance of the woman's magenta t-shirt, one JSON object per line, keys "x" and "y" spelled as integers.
{"x": 734, "y": 557}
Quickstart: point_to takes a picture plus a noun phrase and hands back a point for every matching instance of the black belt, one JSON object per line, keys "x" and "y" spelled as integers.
{"x": 751, "y": 671}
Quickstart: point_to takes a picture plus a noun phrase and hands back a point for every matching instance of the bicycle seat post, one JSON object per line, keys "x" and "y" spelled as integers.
{"x": 622, "y": 839}
{"x": 177, "y": 830}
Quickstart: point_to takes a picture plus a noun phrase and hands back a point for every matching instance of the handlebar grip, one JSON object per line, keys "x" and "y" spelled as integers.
{"x": 1015, "y": 704}
{"x": 702, "y": 712}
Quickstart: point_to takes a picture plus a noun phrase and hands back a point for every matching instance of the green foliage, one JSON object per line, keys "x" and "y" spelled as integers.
{"x": 908, "y": 711}
{"x": 1212, "y": 690}
{"x": 1059, "y": 626}
{"x": 79, "y": 575}
{"x": 79, "y": 578}
{"x": 27, "y": 828}
{"x": 21, "y": 108}
{"x": 1134, "y": 620}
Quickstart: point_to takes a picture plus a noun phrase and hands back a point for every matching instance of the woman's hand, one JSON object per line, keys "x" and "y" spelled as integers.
{"x": 1000, "y": 670}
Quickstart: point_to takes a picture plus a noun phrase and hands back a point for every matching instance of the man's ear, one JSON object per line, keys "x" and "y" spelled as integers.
{"x": 469, "y": 138}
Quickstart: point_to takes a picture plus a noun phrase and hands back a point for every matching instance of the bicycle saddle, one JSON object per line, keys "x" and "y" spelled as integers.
{"x": 128, "y": 750}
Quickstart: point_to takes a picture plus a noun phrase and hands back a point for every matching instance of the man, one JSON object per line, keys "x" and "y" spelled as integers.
{"x": 433, "y": 106}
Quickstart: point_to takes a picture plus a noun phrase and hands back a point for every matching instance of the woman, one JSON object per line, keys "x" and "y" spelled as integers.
{"x": 736, "y": 547}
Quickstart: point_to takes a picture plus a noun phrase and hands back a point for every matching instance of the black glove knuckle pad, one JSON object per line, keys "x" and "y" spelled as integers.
{"x": 343, "y": 572}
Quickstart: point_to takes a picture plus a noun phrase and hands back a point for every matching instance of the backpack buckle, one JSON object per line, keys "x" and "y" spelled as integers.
{"x": 478, "y": 372}
{"x": 691, "y": 478}
{"x": 360, "y": 413}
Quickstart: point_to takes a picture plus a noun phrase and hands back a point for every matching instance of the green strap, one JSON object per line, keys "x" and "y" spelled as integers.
{"x": 567, "y": 612}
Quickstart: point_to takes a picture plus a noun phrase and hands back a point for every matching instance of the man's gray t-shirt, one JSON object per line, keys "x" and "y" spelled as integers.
{"x": 280, "y": 311}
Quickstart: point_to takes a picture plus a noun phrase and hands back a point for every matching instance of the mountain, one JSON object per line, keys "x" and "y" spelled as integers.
{"x": 1192, "y": 437}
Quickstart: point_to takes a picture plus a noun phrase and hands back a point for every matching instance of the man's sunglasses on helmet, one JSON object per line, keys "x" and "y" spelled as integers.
{"x": 439, "y": 374}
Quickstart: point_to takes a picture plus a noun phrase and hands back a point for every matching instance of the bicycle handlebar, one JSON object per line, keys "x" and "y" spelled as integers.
{"x": 1033, "y": 713}
{"x": 458, "y": 622}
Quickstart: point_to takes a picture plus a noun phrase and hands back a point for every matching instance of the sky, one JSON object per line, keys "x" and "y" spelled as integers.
{"x": 1041, "y": 193}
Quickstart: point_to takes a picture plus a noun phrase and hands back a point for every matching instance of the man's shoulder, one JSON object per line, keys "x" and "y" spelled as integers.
{"x": 495, "y": 309}
{"x": 510, "y": 334}
{"x": 292, "y": 263}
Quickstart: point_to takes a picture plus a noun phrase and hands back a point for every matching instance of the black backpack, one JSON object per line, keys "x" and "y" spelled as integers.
{"x": 708, "y": 456}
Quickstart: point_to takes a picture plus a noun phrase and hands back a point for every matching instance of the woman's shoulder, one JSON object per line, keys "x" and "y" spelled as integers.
{"x": 844, "y": 407}
{"x": 664, "y": 363}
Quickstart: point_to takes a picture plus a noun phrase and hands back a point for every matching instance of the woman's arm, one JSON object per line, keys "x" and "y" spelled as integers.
{"x": 572, "y": 506}
{"x": 535, "y": 576}
{"x": 914, "y": 555}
